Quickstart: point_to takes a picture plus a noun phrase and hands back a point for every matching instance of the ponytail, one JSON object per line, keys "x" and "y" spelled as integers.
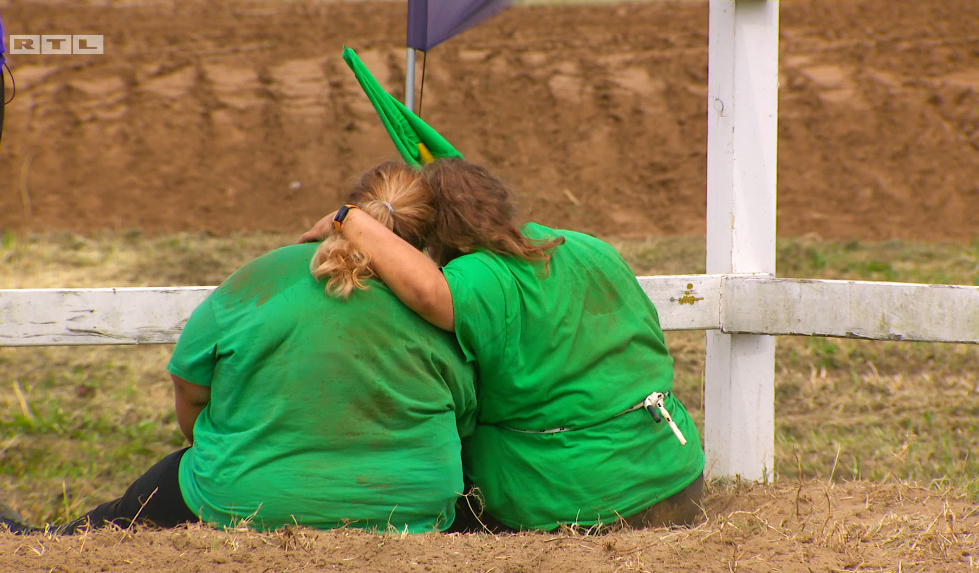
{"x": 346, "y": 266}
{"x": 397, "y": 197}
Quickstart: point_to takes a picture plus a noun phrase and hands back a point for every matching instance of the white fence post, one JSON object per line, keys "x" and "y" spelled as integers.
{"x": 742, "y": 135}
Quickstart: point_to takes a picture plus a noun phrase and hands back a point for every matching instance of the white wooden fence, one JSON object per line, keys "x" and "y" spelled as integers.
{"x": 725, "y": 305}
{"x": 729, "y": 304}
{"x": 739, "y": 303}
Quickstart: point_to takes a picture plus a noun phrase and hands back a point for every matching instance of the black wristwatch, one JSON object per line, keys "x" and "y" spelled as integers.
{"x": 342, "y": 213}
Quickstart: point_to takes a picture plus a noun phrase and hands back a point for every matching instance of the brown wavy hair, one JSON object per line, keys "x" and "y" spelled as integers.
{"x": 476, "y": 211}
{"x": 411, "y": 217}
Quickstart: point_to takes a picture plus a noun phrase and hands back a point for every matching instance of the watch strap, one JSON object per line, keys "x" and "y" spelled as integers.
{"x": 341, "y": 215}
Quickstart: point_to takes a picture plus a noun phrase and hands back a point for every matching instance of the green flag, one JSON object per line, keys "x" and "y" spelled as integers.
{"x": 416, "y": 141}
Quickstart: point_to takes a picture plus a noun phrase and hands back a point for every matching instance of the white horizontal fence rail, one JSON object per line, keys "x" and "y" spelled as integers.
{"x": 68, "y": 317}
{"x": 850, "y": 309}
{"x": 733, "y": 304}
{"x": 686, "y": 302}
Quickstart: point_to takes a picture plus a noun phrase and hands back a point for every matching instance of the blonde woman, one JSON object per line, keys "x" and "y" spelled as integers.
{"x": 314, "y": 398}
{"x": 578, "y": 423}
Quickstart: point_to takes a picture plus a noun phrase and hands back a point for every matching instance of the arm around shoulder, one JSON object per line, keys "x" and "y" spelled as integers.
{"x": 410, "y": 274}
{"x": 433, "y": 302}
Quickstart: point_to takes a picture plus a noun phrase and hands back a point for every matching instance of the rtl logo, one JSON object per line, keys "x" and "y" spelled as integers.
{"x": 56, "y": 44}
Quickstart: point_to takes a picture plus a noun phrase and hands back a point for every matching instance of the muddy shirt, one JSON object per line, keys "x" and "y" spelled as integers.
{"x": 571, "y": 350}
{"x": 323, "y": 412}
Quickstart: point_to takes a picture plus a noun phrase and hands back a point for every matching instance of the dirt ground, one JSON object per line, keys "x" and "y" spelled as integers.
{"x": 225, "y": 116}
{"x": 804, "y": 528}
{"x": 241, "y": 115}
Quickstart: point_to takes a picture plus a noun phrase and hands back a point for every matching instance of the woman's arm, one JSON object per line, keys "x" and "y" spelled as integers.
{"x": 408, "y": 272}
{"x": 189, "y": 402}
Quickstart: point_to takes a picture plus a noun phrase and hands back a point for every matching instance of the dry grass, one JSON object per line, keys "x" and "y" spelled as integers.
{"x": 804, "y": 526}
{"x": 79, "y": 424}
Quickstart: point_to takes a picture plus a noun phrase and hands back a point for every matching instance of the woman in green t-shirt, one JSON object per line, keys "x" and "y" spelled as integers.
{"x": 577, "y": 422}
{"x": 332, "y": 409}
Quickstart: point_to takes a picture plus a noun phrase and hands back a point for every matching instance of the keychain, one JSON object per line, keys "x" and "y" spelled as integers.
{"x": 654, "y": 405}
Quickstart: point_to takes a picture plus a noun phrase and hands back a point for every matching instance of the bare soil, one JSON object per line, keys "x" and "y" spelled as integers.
{"x": 240, "y": 115}
{"x": 803, "y": 527}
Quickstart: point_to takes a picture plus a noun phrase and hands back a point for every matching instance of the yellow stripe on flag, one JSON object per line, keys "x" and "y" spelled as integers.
{"x": 425, "y": 154}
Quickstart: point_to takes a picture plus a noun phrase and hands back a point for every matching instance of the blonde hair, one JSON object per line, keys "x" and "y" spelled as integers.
{"x": 396, "y": 196}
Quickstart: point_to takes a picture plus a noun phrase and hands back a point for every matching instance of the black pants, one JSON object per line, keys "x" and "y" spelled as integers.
{"x": 154, "y": 499}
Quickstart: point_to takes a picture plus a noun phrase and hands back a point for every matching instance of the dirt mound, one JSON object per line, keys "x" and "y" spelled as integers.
{"x": 802, "y": 527}
{"x": 242, "y": 116}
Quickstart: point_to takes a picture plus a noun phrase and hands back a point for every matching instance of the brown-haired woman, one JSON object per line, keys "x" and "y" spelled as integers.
{"x": 577, "y": 422}
{"x": 301, "y": 407}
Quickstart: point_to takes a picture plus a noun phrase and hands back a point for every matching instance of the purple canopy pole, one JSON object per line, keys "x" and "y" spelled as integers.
{"x": 410, "y": 80}
{"x": 431, "y": 22}
{"x": 417, "y": 33}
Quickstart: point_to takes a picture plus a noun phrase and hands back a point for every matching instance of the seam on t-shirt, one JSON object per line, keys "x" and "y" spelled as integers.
{"x": 183, "y": 375}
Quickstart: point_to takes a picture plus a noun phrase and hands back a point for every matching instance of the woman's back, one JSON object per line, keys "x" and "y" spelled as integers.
{"x": 550, "y": 332}
{"x": 571, "y": 350}
{"x": 322, "y": 410}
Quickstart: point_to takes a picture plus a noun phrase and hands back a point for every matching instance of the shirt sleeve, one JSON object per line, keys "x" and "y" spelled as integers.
{"x": 195, "y": 355}
{"x": 463, "y": 390}
{"x": 480, "y": 304}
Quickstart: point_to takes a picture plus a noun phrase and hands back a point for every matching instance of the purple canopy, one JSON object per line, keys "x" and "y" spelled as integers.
{"x": 431, "y": 22}
{"x": 2, "y": 49}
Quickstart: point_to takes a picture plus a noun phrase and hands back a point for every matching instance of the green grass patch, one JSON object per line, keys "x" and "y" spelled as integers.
{"x": 78, "y": 424}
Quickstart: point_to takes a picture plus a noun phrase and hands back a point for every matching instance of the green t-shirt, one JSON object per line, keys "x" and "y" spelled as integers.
{"x": 322, "y": 411}
{"x": 571, "y": 350}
